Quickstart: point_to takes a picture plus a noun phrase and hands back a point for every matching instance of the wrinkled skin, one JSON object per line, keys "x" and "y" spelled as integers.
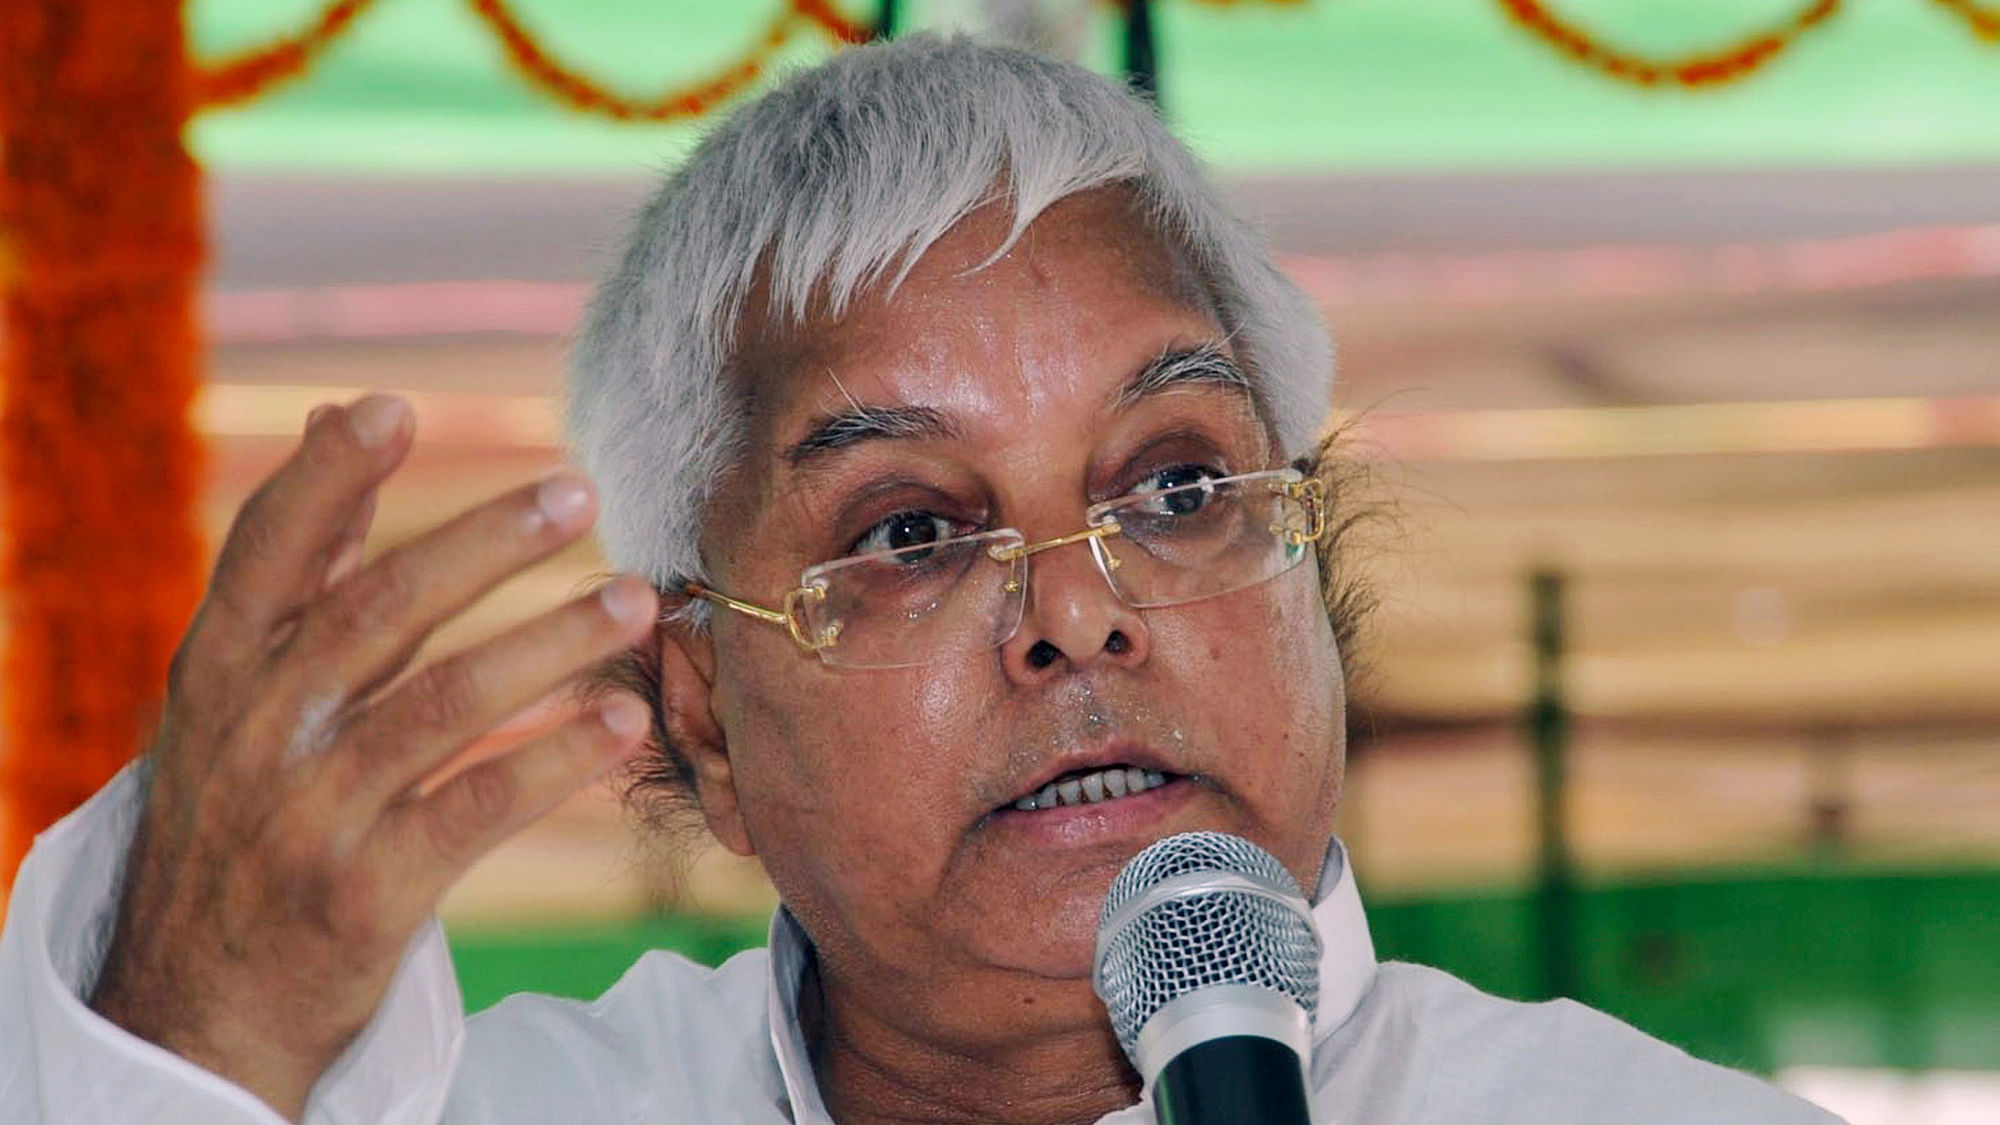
{"x": 954, "y": 935}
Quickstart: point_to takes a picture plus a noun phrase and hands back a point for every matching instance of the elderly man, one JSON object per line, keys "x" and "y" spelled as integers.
{"x": 971, "y": 448}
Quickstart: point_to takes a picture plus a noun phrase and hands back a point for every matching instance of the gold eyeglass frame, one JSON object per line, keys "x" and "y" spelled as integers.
{"x": 1308, "y": 492}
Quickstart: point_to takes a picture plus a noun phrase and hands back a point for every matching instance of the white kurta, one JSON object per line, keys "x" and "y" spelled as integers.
{"x": 674, "y": 1042}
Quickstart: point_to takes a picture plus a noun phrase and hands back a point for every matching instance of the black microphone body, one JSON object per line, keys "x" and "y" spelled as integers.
{"x": 1247, "y": 1079}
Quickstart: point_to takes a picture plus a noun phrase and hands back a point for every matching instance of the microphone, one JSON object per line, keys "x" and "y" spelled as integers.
{"x": 1208, "y": 962}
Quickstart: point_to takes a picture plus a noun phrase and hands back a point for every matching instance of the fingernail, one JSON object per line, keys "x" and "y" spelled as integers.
{"x": 623, "y": 716}
{"x": 627, "y": 603}
{"x": 562, "y": 499}
{"x": 377, "y": 418}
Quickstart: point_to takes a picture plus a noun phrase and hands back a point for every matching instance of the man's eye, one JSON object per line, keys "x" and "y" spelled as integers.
{"x": 902, "y": 531}
{"x": 1184, "y": 502}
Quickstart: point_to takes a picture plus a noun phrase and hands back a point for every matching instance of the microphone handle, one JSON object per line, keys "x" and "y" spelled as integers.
{"x": 1235, "y": 1079}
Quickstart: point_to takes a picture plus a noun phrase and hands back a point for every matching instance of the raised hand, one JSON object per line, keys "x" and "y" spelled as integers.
{"x": 289, "y": 849}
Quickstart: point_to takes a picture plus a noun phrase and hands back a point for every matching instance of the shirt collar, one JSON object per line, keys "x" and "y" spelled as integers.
{"x": 1346, "y": 969}
{"x": 1347, "y": 952}
{"x": 791, "y": 954}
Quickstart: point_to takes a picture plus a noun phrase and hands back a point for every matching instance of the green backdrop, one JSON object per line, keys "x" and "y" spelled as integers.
{"x": 419, "y": 86}
{"x": 1836, "y": 969}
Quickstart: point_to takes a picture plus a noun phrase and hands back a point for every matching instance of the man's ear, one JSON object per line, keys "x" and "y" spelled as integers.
{"x": 687, "y": 694}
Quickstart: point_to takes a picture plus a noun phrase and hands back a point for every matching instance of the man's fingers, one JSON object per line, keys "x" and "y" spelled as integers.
{"x": 431, "y": 839}
{"x": 438, "y": 711}
{"x": 362, "y": 632}
{"x": 344, "y": 557}
{"x": 274, "y": 558}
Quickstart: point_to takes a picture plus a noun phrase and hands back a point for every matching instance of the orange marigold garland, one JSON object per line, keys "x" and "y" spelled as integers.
{"x": 827, "y": 18}
{"x": 1708, "y": 69}
{"x": 1984, "y": 22}
{"x": 566, "y": 85}
{"x": 254, "y": 72}
{"x": 251, "y": 73}
{"x": 102, "y": 558}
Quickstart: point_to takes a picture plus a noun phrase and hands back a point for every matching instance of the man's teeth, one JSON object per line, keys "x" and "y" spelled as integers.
{"x": 1091, "y": 788}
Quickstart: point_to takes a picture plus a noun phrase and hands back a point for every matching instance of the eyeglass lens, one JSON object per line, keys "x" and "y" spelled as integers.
{"x": 896, "y": 608}
{"x": 1200, "y": 541}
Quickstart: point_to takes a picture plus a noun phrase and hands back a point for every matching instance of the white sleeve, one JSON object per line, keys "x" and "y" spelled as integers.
{"x": 62, "y": 1064}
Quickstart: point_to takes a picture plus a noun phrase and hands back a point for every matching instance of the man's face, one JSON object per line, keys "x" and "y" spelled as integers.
{"x": 881, "y": 801}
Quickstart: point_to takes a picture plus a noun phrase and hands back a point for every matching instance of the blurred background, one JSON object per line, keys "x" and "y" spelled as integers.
{"x": 1683, "y": 696}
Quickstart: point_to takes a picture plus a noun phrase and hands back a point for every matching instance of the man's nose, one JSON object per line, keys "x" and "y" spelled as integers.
{"x": 1073, "y": 618}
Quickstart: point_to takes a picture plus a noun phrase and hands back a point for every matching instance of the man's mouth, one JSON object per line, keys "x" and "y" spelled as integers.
{"x": 1092, "y": 786}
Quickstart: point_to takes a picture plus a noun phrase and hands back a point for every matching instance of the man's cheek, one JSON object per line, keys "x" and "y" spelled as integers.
{"x": 1252, "y": 635}
{"x": 795, "y": 766}
{"x": 945, "y": 700}
{"x": 886, "y": 735}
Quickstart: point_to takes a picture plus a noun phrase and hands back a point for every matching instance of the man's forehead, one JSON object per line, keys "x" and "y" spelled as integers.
{"x": 898, "y": 347}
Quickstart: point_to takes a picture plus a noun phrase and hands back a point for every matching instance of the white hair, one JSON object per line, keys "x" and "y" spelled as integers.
{"x": 838, "y": 180}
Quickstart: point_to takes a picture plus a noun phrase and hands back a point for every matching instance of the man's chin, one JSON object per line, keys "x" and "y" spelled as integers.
{"x": 1059, "y": 945}
{"x": 1034, "y": 911}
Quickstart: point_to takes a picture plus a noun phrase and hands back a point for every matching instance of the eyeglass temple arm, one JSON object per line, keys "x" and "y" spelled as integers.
{"x": 1310, "y": 492}
{"x": 789, "y": 616}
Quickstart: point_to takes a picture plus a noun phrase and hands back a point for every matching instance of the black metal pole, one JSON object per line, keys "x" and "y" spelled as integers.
{"x": 1548, "y": 730}
{"x": 1142, "y": 68}
{"x": 1830, "y": 808}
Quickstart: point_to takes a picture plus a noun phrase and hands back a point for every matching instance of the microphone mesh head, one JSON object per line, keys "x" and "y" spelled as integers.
{"x": 1179, "y": 938}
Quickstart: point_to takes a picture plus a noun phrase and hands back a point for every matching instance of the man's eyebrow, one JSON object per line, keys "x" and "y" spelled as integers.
{"x": 1206, "y": 364}
{"x": 832, "y": 432}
